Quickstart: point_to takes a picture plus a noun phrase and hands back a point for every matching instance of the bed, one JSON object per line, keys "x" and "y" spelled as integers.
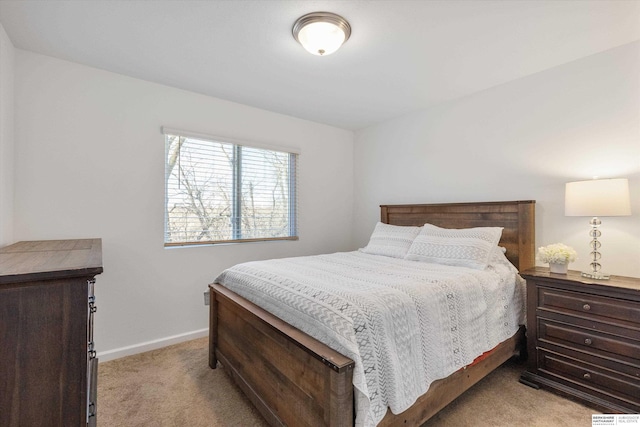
{"x": 295, "y": 379}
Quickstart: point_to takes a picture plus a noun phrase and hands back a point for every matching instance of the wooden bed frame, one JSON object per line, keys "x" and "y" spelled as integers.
{"x": 294, "y": 379}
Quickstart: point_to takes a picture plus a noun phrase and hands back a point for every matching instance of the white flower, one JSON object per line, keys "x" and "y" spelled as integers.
{"x": 557, "y": 254}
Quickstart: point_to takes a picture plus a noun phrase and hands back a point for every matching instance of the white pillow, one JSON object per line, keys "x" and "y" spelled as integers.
{"x": 465, "y": 247}
{"x": 499, "y": 256}
{"x": 391, "y": 240}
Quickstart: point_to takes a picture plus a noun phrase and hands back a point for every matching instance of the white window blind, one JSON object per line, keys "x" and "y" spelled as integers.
{"x": 220, "y": 192}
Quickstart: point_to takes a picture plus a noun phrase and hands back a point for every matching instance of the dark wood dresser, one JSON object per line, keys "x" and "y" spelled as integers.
{"x": 583, "y": 338}
{"x": 48, "y": 368}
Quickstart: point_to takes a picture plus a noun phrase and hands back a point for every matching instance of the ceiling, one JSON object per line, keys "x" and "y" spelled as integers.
{"x": 402, "y": 56}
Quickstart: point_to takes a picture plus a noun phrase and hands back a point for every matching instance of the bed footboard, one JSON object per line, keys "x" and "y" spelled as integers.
{"x": 291, "y": 378}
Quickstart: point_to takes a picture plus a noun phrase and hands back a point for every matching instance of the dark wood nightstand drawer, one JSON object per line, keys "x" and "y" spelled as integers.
{"x": 589, "y": 305}
{"x": 591, "y": 378}
{"x": 587, "y": 340}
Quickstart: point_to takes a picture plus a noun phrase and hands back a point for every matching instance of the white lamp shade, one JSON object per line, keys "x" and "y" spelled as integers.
{"x": 597, "y": 197}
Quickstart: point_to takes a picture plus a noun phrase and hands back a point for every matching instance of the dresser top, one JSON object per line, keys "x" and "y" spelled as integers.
{"x": 573, "y": 276}
{"x": 50, "y": 259}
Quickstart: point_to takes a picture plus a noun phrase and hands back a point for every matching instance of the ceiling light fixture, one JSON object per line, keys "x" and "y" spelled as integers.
{"x": 321, "y": 33}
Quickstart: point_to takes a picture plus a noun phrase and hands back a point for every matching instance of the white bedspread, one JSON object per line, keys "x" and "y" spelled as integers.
{"x": 404, "y": 323}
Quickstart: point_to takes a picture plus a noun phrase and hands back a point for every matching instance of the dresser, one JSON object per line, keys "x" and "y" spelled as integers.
{"x": 583, "y": 338}
{"x": 48, "y": 365}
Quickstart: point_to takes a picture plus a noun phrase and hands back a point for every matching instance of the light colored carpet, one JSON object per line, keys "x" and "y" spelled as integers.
{"x": 171, "y": 386}
{"x": 174, "y": 386}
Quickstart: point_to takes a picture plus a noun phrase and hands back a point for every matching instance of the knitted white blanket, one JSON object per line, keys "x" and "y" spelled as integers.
{"x": 404, "y": 323}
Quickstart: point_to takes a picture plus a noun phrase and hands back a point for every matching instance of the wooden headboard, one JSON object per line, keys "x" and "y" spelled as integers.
{"x": 517, "y": 218}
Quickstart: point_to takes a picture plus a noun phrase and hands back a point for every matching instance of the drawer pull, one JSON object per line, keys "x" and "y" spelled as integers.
{"x": 587, "y": 341}
{"x": 587, "y": 376}
{"x": 90, "y": 350}
{"x": 586, "y": 307}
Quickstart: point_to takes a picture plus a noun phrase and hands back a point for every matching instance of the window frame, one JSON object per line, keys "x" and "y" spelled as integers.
{"x": 236, "y": 216}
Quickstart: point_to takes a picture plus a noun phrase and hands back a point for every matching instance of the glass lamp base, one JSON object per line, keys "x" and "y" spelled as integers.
{"x": 595, "y": 275}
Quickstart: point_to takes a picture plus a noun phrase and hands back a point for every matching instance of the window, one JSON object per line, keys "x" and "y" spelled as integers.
{"x": 218, "y": 191}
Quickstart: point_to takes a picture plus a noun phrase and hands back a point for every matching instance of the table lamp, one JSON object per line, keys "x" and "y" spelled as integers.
{"x": 595, "y": 198}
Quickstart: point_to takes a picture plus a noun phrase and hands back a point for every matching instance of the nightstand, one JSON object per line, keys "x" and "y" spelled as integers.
{"x": 583, "y": 338}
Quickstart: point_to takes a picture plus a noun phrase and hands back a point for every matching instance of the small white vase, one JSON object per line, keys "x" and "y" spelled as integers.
{"x": 558, "y": 268}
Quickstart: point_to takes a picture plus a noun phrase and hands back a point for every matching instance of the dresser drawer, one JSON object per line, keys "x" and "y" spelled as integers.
{"x": 592, "y": 378}
{"x": 589, "y": 305}
{"x": 587, "y": 340}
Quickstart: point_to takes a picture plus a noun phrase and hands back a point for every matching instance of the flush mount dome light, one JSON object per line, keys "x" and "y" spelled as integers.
{"x": 321, "y": 33}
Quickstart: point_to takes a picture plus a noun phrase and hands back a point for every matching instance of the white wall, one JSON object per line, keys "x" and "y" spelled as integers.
{"x": 7, "y": 53}
{"x": 518, "y": 141}
{"x": 90, "y": 163}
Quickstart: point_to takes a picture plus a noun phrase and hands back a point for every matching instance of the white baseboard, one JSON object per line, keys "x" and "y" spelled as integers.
{"x": 105, "y": 356}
